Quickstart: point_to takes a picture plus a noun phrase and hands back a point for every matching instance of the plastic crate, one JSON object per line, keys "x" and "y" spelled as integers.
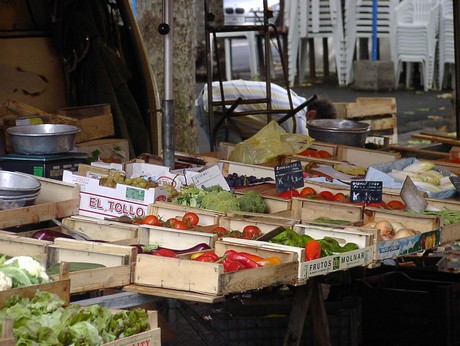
{"x": 400, "y": 310}
{"x": 344, "y": 320}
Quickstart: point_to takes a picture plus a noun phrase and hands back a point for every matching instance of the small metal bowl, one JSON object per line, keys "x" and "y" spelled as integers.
{"x": 43, "y": 139}
{"x": 17, "y": 184}
{"x": 339, "y": 131}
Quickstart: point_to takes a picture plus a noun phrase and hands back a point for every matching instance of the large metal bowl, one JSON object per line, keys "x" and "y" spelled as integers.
{"x": 17, "y": 184}
{"x": 43, "y": 139}
{"x": 339, "y": 131}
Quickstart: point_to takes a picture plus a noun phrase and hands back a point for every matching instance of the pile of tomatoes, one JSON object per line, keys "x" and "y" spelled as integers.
{"x": 249, "y": 232}
{"x": 309, "y": 192}
{"x": 188, "y": 221}
{"x": 319, "y": 154}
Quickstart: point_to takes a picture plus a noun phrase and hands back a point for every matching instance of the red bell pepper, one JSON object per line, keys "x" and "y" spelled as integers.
{"x": 232, "y": 266}
{"x": 312, "y": 250}
{"x": 245, "y": 261}
{"x": 164, "y": 253}
{"x": 207, "y": 257}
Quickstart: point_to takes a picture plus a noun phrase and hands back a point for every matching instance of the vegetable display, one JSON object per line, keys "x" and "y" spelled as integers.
{"x": 217, "y": 199}
{"x": 21, "y": 271}
{"x": 235, "y": 260}
{"x": 314, "y": 248}
{"x": 235, "y": 180}
{"x": 44, "y": 320}
{"x": 424, "y": 176}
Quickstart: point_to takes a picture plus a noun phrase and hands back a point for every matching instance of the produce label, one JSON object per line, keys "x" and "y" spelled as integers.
{"x": 210, "y": 177}
{"x": 289, "y": 176}
{"x": 366, "y": 191}
{"x": 403, "y": 246}
{"x": 337, "y": 262}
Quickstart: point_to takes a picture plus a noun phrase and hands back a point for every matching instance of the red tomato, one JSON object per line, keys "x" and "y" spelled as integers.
{"x": 289, "y": 194}
{"x": 151, "y": 220}
{"x": 340, "y": 197}
{"x": 251, "y": 232}
{"x": 190, "y": 218}
{"x": 180, "y": 225}
{"x": 396, "y": 205}
{"x": 325, "y": 195}
{"x": 220, "y": 231}
{"x": 307, "y": 192}
{"x": 171, "y": 222}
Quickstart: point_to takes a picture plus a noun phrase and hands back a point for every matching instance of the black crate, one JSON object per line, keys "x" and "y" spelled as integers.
{"x": 400, "y": 310}
{"x": 344, "y": 320}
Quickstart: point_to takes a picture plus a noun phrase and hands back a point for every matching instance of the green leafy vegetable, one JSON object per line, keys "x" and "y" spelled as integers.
{"x": 45, "y": 320}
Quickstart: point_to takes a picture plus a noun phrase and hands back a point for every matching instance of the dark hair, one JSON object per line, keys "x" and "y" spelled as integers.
{"x": 324, "y": 108}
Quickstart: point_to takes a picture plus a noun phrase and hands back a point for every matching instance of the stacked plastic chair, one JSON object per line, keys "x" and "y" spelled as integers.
{"x": 358, "y": 19}
{"x": 446, "y": 40}
{"x": 313, "y": 19}
{"x": 413, "y": 39}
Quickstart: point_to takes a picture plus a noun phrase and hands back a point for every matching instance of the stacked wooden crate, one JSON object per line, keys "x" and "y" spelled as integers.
{"x": 379, "y": 113}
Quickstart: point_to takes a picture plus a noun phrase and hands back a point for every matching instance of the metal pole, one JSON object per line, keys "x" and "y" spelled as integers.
{"x": 374, "y": 29}
{"x": 168, "y": 104}
{"x": 456, "y": 5}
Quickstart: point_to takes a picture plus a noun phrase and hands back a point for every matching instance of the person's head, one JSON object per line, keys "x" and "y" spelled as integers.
{"x": 321, "y": 108}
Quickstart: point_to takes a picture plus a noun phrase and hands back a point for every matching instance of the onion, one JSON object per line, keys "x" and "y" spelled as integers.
{"x": 386, "y": 229}
{"x": 403, "y": 233}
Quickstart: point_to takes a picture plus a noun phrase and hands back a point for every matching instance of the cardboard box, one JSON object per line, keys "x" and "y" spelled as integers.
{"x": 95, "y": 121}
{"x": 101, "y": 201}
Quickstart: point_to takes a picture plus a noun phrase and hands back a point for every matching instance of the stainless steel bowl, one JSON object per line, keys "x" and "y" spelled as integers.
{"x": 339, "y": 131}
{"x": 18, "y": 184}
{"x": 42, "y": 139}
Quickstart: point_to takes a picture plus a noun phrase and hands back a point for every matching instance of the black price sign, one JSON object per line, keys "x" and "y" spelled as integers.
{"x": 289, "y": 176}
{"x": 366, "y": 191}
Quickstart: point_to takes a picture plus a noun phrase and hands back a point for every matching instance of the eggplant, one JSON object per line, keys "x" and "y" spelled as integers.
{"x": 50, "y": 235}
{"x": 149, "y": 249}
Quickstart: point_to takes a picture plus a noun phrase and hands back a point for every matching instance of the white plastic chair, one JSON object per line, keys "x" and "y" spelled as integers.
{"x": 250, "y": 36}
{"x": 358, "y": 24}
{"x": 413, "y": 38}
{"x": 446, "y": 40}
{"x": 313, "y": 19}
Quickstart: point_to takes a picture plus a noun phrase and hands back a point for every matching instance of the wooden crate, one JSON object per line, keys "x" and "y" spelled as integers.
{"x": 151, "y": 337}
{"x": 110, "y": 149}
{"x": 117, "y": 260}
{"x": 353, "y": 155}
{"x": 266, "y": 224}
{"x": 110, "y": 231}
{"x": 12, "y": 244}
{"x": 209, "y": 278}
{"x": 247, "y": 169}
{"x": 165, "y": 210}
{"x": 379, "y": 113}
{"x": 60, "y": 287}
{"x": 174, "y": 238}
{"x": 427, "y": 225}
{"x": 56, "y": 200}
{"x": 309, "y": 209}
{"x": 340, "y": 261}
{"x": 95, "y": 121}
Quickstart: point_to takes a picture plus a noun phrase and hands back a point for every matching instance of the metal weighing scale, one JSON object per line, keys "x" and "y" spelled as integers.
{"x": 47, "y": 166}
